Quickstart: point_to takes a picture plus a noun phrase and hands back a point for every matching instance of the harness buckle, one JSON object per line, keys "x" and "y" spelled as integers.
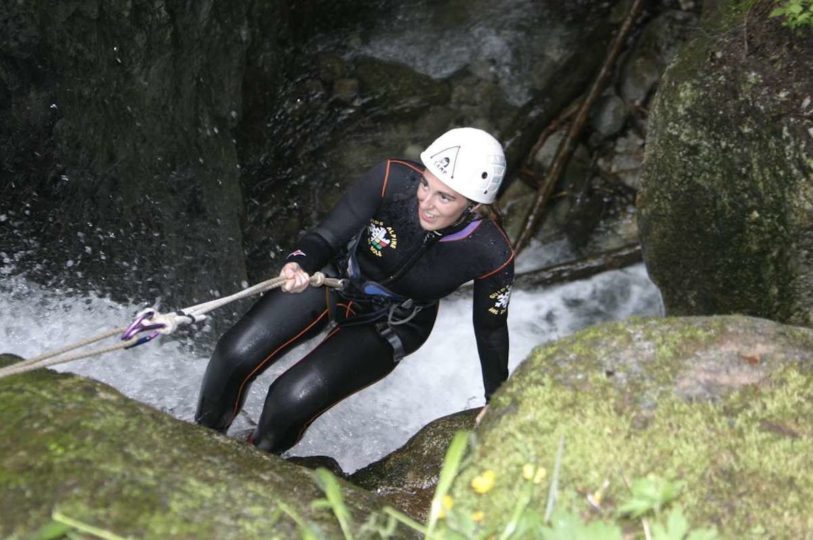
{"x": 410, "y": 305}
{"x": 386, "y": 331}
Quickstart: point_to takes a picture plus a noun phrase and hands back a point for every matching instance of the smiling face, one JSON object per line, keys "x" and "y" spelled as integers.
{"x": 439, "y": 206}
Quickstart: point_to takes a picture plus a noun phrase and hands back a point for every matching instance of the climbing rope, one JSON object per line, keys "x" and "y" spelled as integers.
{"x": 153, "y": 323}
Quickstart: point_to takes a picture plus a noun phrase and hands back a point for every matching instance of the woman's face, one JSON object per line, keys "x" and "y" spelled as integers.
{"x": 438, "y": 205}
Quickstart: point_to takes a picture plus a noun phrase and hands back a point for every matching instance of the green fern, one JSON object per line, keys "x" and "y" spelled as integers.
{"x": 797, "y": 13}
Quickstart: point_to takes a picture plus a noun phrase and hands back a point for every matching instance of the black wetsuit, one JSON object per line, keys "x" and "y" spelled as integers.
{"x": 375, "y": 230}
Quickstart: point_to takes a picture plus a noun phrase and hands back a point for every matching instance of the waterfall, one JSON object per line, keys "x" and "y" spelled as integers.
{"x": 441, "y": 378}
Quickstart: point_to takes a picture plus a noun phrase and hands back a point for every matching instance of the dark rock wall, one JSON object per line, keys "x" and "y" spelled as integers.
{"x": 118, "y": 159}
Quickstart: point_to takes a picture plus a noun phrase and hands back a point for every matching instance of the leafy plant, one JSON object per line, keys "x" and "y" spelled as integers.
{"x": 650, "y": 494}
{"x": 797, "y": 13}
{"x": 677, "y": 528}
{"x": 566, "y": 526}
{"x": 64, "y": 526}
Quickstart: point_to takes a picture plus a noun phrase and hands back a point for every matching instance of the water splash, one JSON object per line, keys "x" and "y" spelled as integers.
{"x": 441, "y": 378}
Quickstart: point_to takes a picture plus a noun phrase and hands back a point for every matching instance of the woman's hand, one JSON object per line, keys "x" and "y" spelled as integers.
{"x": 296, "y": 279}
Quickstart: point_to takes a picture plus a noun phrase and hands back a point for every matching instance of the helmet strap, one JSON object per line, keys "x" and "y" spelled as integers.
{"x": 467, "y": 214}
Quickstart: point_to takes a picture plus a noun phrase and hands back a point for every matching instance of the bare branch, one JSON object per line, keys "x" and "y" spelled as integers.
{"x": 568, "y": 143}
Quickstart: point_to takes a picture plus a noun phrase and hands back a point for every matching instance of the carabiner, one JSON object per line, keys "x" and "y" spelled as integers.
{"x": 139, "y": 326}
{"x": 142, "y": 340}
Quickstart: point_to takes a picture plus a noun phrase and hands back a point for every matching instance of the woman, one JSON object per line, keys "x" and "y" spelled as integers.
{"x": 404, "y": 236}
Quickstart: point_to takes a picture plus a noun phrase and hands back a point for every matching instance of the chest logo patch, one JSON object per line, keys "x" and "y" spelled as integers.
{"x": 501, "y": 299}
{"x": 380, "y": 237}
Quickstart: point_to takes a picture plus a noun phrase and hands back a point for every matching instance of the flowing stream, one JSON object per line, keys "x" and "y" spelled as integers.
{"x": 441, "y": 378}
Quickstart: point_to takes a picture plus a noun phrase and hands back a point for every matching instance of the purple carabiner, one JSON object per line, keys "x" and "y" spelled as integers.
{"x": 138, "y": 326}
{"x": 142, "y": 340}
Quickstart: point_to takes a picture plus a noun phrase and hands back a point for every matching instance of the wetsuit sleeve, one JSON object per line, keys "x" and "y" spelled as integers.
{"x": 491, "y": 296}
{"x": 315, "y": 249}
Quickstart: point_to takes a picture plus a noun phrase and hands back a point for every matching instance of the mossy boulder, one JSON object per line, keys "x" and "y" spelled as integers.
{"x": 726, "y": 206}
{"x": 721, "y": 404}
{"x": 77, "y": 446}
{"x": 408, "y": 477}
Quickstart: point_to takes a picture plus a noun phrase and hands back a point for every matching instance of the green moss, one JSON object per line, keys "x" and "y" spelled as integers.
{"x": 77, "y": 446}
{"x": 741, "y": 454}
{"x": 723, "y": 16}
{"x": 719, "y": 458}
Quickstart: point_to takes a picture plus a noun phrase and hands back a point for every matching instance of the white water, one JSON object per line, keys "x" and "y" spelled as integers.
{"x": 498, "y": 41}
{"x": 443, "y": 377}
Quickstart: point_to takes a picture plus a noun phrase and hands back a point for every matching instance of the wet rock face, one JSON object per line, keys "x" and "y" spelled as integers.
{"x": 657, "y": 47}
{"x": 602, "y": 178}
{"x": 725, "y": 207}
{"x": 719, "y": 403}
{"x": 119, "y": 171}
{"x": 408, "y": 477}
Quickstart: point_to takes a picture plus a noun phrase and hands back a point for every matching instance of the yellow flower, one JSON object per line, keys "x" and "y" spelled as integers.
{"x": 478, "y": 516}
{"x": 597, "y": 496}
{"x": 483, "y": 483}
{"x": 534, "y": 473}
{"x": 446, "y": 504}
{"x": 540, "y": 475}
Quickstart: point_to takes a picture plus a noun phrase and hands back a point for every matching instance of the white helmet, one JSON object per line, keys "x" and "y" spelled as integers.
{"x": 468, "y": 160}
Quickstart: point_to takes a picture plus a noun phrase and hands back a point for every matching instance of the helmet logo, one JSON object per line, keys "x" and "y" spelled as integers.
{"x": 446, "y": 160}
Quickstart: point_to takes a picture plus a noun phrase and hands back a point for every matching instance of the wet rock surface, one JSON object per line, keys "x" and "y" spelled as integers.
{"x": 408, "y": 477}
{"x": 118, "y": 170}
{"x": 724, "y": 211}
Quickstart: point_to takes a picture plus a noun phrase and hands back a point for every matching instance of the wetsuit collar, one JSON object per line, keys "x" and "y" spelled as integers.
{"x": 462, "y": 233}
{"x": 463, "y": 227}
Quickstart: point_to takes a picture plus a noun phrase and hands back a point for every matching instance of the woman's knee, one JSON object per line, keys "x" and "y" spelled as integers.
{"x": 235, "y": 351}
{"x": 289, "y": 408}
{"x": 230, "y": 368}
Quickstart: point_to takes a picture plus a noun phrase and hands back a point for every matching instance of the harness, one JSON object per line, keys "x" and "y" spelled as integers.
{"x": 387, "y": 308}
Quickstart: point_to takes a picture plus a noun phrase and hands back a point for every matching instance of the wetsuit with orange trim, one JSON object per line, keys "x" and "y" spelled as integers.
{"x": 398, "y": 272}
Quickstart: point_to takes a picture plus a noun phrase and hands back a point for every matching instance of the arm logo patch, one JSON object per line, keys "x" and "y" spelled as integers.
{"x": 501, "y": 299}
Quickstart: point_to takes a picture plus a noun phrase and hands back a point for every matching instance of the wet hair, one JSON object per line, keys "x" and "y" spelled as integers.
{"x": 488, "y": 211}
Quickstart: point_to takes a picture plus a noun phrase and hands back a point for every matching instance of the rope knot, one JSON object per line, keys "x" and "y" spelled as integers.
{"x": 317, "y": 279}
